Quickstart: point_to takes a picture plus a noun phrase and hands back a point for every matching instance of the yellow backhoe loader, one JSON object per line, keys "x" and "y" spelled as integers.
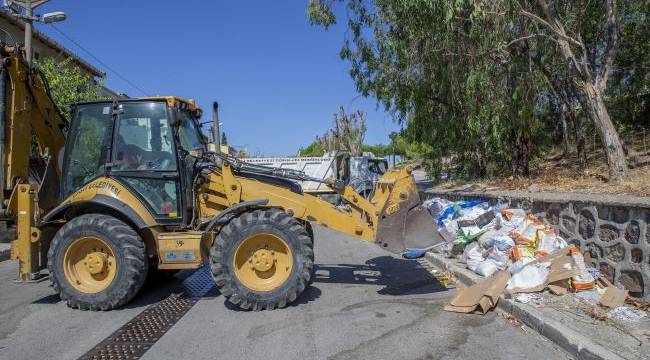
{"x": 130, "y": 184}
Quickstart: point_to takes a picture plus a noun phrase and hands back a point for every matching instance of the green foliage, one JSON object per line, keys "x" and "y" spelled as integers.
{"x": 319, "y": 13}
{"x": 379, "y": 150}
{"x": 316, "y": 148}
{"x": 68, "y": 84}
{"x": 470, "y": 80}
{"x": 629, "y": 86}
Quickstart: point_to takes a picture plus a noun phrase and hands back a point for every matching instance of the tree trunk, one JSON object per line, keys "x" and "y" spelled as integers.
{"x": 521, "y": 151}
{"x": 581, "y": 141}
{"x": 595, "y": 107}
{"x": 588, "y": 86}
{"x": 565, "y": 130}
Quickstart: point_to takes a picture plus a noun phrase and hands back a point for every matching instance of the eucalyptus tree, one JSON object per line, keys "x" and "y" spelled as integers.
{"x": 468, "y": 76}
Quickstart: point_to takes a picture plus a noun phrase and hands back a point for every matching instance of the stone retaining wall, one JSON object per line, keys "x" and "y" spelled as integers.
{"x": 612, "y": 229}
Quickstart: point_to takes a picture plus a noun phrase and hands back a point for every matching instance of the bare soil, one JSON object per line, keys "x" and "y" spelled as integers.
{"x": 558, "y": 172}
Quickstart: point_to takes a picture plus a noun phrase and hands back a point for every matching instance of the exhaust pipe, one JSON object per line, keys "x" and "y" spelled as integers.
{"x": 216, "y": 135}
{"x": 3, "y": 130}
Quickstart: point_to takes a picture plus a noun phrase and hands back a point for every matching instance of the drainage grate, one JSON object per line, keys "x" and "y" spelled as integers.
{"x": 199, "y": 283}
{"x": 133, "y": 339}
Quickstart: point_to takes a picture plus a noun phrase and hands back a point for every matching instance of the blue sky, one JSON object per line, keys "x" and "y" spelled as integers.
{"x": 278, "y": 80}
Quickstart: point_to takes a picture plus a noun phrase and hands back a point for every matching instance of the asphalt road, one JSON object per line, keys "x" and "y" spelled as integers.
{"x": 365, "y": 303}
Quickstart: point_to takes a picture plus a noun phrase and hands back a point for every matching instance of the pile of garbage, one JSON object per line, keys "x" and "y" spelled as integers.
{"x": 518, "y": 254}
{"x": 489, "y": 239}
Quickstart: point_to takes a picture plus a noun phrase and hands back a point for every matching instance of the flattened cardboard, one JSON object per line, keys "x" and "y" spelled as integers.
{"x": 559, "y": 288}
{"x": 613, "y": 297}
{"x": 480, "y": 297}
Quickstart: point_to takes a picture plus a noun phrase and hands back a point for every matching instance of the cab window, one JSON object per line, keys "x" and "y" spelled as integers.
{"x": 144, "y": 156}
{"x": 188, "y": 133}
{"x": 144, "y": 138}
{"x": 189, "y": 138}
{"x": 377, "y": 166}
{"x": 88, "y": 137}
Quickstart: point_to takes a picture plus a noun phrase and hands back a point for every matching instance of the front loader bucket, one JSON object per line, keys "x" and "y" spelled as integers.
{"x": 405, "y": 223}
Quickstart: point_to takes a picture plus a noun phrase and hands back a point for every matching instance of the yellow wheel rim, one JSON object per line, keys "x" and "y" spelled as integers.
{"x": 89, "y": 264}
{"x": 263, "y": 262}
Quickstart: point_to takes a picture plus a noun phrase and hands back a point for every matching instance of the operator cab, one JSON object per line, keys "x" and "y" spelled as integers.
{"x": 149, "y": 145}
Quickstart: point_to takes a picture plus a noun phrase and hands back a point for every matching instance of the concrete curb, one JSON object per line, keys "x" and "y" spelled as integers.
{"x": 550, "y": 197}
{"x": 574, "y": 343}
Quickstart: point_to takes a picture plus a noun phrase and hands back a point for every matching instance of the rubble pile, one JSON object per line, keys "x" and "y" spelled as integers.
{"x": 522, "y": 258}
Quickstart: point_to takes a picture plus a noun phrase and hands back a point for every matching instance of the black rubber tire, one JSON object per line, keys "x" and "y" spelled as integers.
{"x": 130, "y": 256}
{"x": 272, "y": 221}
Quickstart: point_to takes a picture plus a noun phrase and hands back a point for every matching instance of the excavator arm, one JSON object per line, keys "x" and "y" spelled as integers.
{"x": 385, "y": 219}
{"x": 28, "y": 111}
{"x": 32, "y": 136}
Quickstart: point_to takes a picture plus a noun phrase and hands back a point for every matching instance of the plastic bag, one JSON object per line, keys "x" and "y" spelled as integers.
{"x": 591, "y": 297}
{"x": 485, "y": 237}
{"x": 446, "y": 215}
{"x": 496, "y": 260}
{"x": 474, "y": 258}
{"x": 549, "y": 242}
{"x": 528, "y": 277}
{"x": 508, "y": 226}
{"x": 436, "y": 205}
{"x": 509, "y": 214}
{"x": 522, "y": 251}
{"x": 584, "y": 281}
{"x": 500, "y": 258}
{"x": 527, "y": 232}
{"x": 486, "y": 268}
{"x": 501, "y": 242}
{"x": 519, "y": 264}
{"x": 471, "y": 246}
{"x": 463, "y": 210}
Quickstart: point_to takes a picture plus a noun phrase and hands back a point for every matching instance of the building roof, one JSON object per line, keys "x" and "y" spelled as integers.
{"x": 47, "y": 41}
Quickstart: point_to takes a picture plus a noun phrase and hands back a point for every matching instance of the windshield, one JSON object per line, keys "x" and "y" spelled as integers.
{"x": 189, "y": 134}
{"x": 378, "y": 166}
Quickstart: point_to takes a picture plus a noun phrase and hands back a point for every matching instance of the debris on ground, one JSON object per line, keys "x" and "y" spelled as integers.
{"x": 613, "y": 297}
{"x": 480, "y": 298}
{"x": 524, "y": 259}
{"x": 445, "y": 278}
{"x": 511, "y": 320}
{"x": 626, "y": 314}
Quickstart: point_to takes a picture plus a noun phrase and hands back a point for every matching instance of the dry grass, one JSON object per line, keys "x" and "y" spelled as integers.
{"x": 558, "y": 173}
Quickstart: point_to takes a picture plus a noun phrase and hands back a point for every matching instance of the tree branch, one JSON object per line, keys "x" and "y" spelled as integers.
{"x": 550, "y": 27}
{"x": 611, "y": 47}
{"x": 580, "y": 67}
{"x": 526, "y": 38}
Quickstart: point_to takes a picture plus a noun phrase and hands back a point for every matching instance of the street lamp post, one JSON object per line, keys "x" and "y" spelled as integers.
{"x": 29, "y": 18}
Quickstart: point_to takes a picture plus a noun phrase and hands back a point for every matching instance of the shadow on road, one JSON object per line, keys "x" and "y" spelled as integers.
{"x": 159, "y": 285}
{"x": 310, "y": 294}
{"x": 397, "y": 276}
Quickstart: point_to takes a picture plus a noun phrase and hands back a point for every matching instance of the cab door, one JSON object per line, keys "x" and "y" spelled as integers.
{"x": 144, "y": 158}
{"x": 190, "y": 143}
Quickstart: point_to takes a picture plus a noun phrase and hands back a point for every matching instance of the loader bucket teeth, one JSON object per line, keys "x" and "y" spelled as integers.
{"x": 407, "y": 225}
